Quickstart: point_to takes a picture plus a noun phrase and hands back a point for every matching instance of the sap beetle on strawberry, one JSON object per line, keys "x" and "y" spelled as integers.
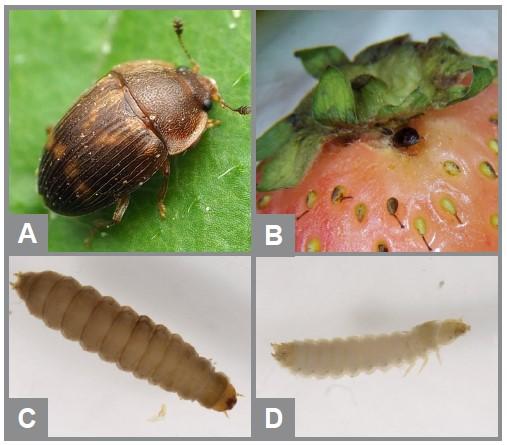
{"x": 122, "y": 131}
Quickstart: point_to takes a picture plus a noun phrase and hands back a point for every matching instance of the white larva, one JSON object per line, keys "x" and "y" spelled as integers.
{"x": 353, "y": 355}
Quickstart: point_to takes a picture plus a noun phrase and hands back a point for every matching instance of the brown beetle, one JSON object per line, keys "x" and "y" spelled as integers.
{"x": 122, "y": 131}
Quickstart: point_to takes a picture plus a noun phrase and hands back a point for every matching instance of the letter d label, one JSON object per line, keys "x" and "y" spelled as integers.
{"x": 276, "y": 414}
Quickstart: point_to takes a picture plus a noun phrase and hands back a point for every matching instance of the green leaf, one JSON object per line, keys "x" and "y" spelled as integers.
{"x": 317, "y": 60}
{"x": 481, "y": 78}
{"x": 274, "y": 139}
{"x": 333, "y": 99}
{"x": 289, "y": 165}
{"x": 378, "y": 51}
{"x": 55, "y": 55}
{"x": 398, "y": 79}
{"x": 387, "y": 83}
{"x": 369, "y": 94}
{"x": 289, "y": 148}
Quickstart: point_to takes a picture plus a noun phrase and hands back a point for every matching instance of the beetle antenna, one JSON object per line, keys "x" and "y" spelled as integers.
{"x": 245, "y": 109}
{"x": 178, "y": 29}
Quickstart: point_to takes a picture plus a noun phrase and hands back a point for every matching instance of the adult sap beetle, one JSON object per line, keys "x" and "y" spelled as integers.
{"x": 122, "y": 131}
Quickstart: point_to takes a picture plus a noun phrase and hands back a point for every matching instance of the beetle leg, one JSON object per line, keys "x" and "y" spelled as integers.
{"x": 165, "y": 170}
{"x": 121, "y": 207}
{"x": 213, "y": 123}
{"x": 50, "y": 138}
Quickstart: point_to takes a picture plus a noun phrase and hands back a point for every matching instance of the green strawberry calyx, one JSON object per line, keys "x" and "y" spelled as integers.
{"x": 383, "y": 86}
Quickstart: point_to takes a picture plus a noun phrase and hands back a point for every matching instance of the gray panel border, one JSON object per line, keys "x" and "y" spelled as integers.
{"x": 253, "y": 9}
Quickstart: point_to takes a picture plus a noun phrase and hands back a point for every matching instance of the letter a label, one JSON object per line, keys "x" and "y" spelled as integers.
{"x": 27, "y": 234}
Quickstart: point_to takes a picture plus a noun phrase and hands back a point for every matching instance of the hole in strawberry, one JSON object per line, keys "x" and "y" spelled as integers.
{"x": 405, "y": 137}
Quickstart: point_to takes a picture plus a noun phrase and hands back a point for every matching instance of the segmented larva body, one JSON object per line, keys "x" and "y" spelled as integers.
{"x": 120, "y": 335}
{"x": 353, "y": 355}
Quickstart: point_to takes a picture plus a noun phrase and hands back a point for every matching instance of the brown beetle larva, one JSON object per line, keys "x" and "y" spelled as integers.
{"x": 353, "y": 355}
{"x": 120, "y": 335}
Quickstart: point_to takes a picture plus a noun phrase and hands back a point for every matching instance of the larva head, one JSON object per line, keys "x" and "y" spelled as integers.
{"x": 22, "y": 283}
{"x": 449, "y": 330}
{"x": 227, "y": 400}
{"x": 283, "y": 353}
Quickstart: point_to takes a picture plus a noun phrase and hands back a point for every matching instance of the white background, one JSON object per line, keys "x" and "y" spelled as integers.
{"x": 327, "y": 297}
{"x": 281, "y": 80}
{"x": 204, "y": 299}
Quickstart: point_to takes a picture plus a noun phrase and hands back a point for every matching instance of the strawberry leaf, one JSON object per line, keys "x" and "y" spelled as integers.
{"x": 289, "y": 148}
{"x": 333, "y": 100}
{"x": 404, "y": 79}
{"x": 317, "y": 60}
{"x": 288, "y": 166}
{"x": 274, "y": 139}
{"x": 386, "y": 84}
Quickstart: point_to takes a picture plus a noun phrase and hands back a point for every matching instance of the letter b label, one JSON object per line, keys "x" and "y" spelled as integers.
{"x": 273, "y": 235}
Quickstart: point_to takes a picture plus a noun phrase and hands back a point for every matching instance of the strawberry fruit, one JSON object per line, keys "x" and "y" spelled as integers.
{"x": 402, "y": 180}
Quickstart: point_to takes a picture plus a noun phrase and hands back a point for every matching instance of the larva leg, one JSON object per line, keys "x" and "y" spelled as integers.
{"x": 353, "y": 355}
{"x": 410, "y": 367}
{"x": 424, "y": 363}
{"x": 118, "y": 334}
